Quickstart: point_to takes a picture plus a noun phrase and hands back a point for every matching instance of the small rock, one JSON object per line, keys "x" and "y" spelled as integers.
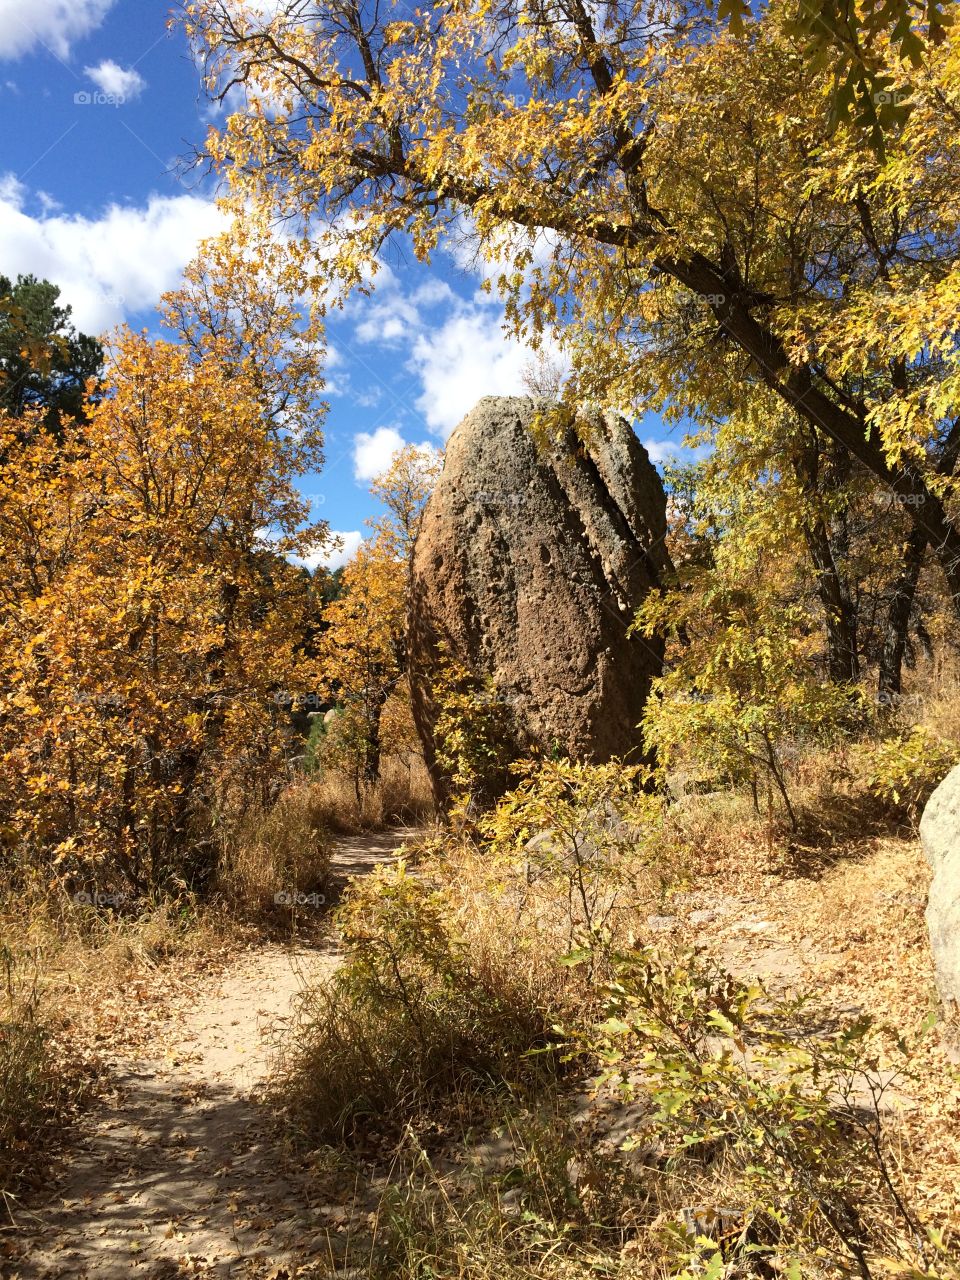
{"x": 703, "y": 917}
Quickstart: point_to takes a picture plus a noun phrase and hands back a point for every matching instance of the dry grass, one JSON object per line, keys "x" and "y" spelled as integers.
{"x": 537, "y": 1202}
{"x": 433, "y": 1012}
{"x": 278, "y": 854}
{"x": 37, "y": 1093}
{"x": 858, "y": 938}
{"x": 401, "y": 797}
{"x": 835, "y": 909}
{"x": 451, "y": 989}
{"x": 838, "y": 910}
{"x": 931, "y": 693}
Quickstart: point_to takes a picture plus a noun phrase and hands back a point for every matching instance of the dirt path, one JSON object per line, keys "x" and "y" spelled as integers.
{"x": 179, "y": 1170}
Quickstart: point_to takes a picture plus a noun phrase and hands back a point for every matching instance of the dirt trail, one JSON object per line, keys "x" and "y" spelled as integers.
{"x": 179, "y": 1170}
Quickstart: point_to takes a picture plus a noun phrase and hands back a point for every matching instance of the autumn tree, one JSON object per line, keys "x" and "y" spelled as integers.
{"x": 363, "y": 648}
{"x": 675, "y": 199}
{"x": 150, "y": 614}
{"x": 748, "y": 676}
{"x": 361, "y": 658}
{"x": 853, "y": 44}
{"x": 240, "y": 303}
{"x": 846, "y": 534}
{"x": 404, "y": 488}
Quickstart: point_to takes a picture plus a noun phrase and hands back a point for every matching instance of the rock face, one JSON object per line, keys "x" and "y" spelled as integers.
{"x": 529, "y": 567}
{"x": 940, "y": 834}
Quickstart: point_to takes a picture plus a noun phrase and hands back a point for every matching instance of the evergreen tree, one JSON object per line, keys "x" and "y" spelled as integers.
{"x": 44, "y": 362}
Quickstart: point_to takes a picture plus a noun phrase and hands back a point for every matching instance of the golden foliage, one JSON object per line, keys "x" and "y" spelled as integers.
{"x": 362, "y": 658}
{"x": 148, "y": 618}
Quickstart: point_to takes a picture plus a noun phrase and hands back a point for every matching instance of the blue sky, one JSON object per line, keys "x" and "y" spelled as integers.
{"x": 98, "y": 103}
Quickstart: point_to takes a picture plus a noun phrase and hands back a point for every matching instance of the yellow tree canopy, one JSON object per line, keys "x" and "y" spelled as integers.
{"x": 363, "y": 649}
{"x": 147, "y": 618}
{"x": 675, "y": 197}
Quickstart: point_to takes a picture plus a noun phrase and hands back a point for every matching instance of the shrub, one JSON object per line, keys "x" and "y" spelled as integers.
{"x": 906, "y": 769}
{"x": 453, "y": 977}
{"x": 554, "y": 1209}
{"x": 401, "y": 792}
{"x": 586, "y": 828}
{"x": 413, "y": 1018}
{"x": 757, "y": 1150}
{"x": 766, "y": 1126}
{"x": 742, "y": 687}
{"x": 313, "y": 748}
{"x": 474, "y": 740}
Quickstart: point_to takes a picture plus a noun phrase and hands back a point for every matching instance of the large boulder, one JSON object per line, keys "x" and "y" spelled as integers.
{"x": 940, "y": 835}
{"x": 531, "y": 561}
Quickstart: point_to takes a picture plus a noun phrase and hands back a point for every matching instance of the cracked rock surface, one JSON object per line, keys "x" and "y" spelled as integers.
{"x": 530, "y": 565}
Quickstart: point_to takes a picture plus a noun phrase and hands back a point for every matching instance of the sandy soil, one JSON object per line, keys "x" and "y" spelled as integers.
{"x": 178, "y": 1169}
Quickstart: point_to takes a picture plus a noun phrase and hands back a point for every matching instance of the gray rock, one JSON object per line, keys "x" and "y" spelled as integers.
{"x": 544, "y": 845}
{"x": 940, "y": 835}
{"x": 531, "y": 562}
{"x": 703, "y": 917}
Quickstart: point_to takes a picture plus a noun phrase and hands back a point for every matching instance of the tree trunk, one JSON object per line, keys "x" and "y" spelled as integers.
{"x": 843, "y": 661}
{"x": 373, "y": 750}
{"x": 905, "y": 587}
{"x": 898, "y": 619}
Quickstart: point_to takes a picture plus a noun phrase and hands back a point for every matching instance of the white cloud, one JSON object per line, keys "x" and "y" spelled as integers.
{"x": 123, "y": 83}
{"x": 55, "y": 24}
{"x": 487, "y": 261}
{"x": 660, "y": 450}
{"x": 110, "y": 265}
{"x": 265, "y": 10}
{"x": 432, "y": 292}
{"x": 466, "y": 358}
{"x": 673, "y": 451}
{"x": 388, "y": 321}
{"x": 12, "y": 190}
{"x": 373, "y": 453}
{"x": 334, "y": 558}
